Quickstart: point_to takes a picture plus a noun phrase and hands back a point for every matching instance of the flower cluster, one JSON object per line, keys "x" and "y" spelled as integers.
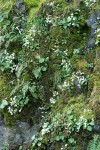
{"x": 66, "y": 85}
{"x": 65, "y": 122}
{"x": 30, "y": 37}
{"x": 14, "y": 68}
{"x": 49, "y": 19}
{"x": 6, "y": 60}
{"x": 66, "y": 68}
{"x": 89, "y": 3}
{"x": 54, "y": 98}
{"x": 7, "y": 57}
{"x": 83, "y": 122}
{"x": 76, "y": 51}
{"x": 50, "y": 4}
{"x": 71, "y": 21}
{"x": 14, "y": 106}
{"x": 79, "y": 78}
{"x": 45, "y": 128}
{"x": 20, "y": 31}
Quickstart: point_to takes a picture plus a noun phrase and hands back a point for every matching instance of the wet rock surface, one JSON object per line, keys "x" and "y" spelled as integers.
{"x": 2, "y": 133}
{"x": 18, "y": 135}
{"x": 93, "y": 22}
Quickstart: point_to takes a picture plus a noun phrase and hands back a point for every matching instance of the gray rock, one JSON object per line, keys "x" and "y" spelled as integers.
{"x": 93, "y": 22}
{"x": 20, "y": 134}
{"x": 97, "y": 128}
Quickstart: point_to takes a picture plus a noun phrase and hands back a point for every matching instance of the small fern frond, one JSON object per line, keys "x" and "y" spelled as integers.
{"x": 95, "y": 143}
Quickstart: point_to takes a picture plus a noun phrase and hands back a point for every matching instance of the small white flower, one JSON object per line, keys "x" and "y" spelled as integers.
{"x": 52, "y": 100}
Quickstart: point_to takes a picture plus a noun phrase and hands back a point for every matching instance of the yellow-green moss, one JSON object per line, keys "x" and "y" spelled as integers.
{"x": 81, "y": 65}
{"x": 95, "y": 95}
{"x": 32, "y": 3}
{"x": 34, "y": 7}
{"x": 5, "y": 5}
{"x": 5, "y": 88}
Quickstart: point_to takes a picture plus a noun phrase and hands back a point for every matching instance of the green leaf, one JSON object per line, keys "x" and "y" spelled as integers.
{"x": 33, "y": 137}
{"x": 20, "y": 148}
{"x": 25, "y": 88}
{"x": 69, "y": 112}
{"x": 71, "y": 140}
{"x": 3, "y": 104}
{"x": 54, "y": 119}
{"x": 2, "y": 69}
{"x": 6, "y": 65}
{"x": 62, "y": 22}
{"x": 47, "y": 59}
{"x": 89, "y": 128}
{"x": 69, "y": 19}
{"x": 62, "y": 137}
{"x": 44, "y": 68}
{"x": 20, "y": 69}
{"x": 39, "y": 144}
{"x": 32, "y": 90}
{"x": 57, "y": 138}
{"x": 70, "y": 117}
{"x": 37, "y": 73}
{"x": 65, "y": 26}
{"x": 1, "y": 19}
{"x": 26, "y": 101}
{"x": 41, "y": 60}
{"x": 92, "y": 123}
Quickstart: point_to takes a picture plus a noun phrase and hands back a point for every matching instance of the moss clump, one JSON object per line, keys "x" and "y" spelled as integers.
{"x": 5, "y": 87}
{"x": 33, "y": 6}
{"x": 32, "y": 3}
{"x": 5, "y": 5}
{"x": 81, "y": 65}
{"x": 56, "y": 44}
{"x": 95, "y": 96}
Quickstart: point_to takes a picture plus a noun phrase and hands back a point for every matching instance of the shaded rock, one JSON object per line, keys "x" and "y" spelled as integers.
{"x": 18, "y": 135}
{"x": 97, "y": 128}
{"x": 19, "y": 7}
{"x": 93, "y": 22}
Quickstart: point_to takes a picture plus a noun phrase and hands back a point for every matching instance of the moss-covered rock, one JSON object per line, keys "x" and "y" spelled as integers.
{"x": 55, "y": 71}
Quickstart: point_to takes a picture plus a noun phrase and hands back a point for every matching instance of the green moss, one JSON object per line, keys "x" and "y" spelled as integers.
{"x": 32, "y": 3}
{"x": 5, "y": 5}
{"x": 81, "y": 65}
{"x": 5, "y": 87}
{"x": 34, "y": 6}
{"x": 51, "y": 39}
{"x": 95, "y": 96}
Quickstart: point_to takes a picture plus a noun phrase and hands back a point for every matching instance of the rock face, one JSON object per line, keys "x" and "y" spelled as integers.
{"x": 19, "y": 7}
{"x": 18, "y": 135}
{"x": 93, "y": 23}
{"x": 49, "y": 75}
{"x": 2, "y": 133}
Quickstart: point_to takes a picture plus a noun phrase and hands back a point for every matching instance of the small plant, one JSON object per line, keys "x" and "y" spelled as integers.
{"x": 95, "y": 143}
{"x": 3, "y": 104}
{"x": 63, "y": 123}
{"x": 31, "y": 3}
{"x": 20, "y": 148}
{"x": 6, "y": 61}
{"x": 71, "y": 21}
{"x": 6, "y": 146}
{"x": 90, "y": 65}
